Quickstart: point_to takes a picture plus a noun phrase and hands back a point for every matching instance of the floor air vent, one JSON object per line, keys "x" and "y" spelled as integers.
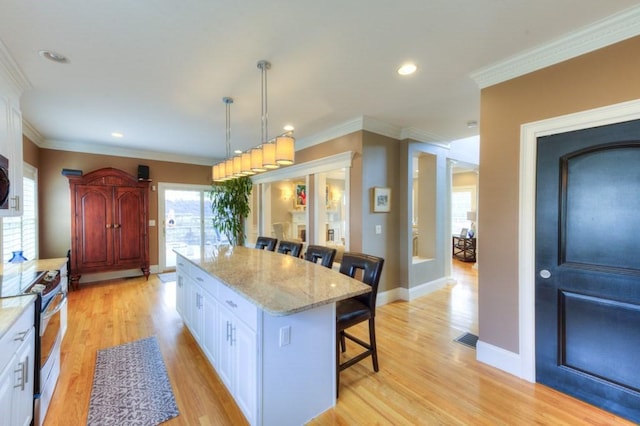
{"x": 468, "y": 339}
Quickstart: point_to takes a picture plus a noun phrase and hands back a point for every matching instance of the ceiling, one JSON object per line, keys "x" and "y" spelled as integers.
{"x": 157, "y": 70}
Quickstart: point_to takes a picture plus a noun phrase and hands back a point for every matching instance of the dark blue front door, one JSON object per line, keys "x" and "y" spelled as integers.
{"x": 588, "y": 265}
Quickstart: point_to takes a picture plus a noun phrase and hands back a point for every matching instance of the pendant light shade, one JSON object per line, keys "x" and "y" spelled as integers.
{"x": 215, "y": 173}
{"x": 256, "y": 160}
{"x": 269, "y": 156}
{"x": 237, "y": 166}
{"x": 285, "y": 150}
{"x": 246, "y": 164}
{"x": 229, "y": 168}
{"x": 221, "y": 172}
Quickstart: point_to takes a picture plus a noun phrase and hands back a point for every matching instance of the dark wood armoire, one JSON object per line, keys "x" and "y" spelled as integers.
{"x": 109, "y": 223}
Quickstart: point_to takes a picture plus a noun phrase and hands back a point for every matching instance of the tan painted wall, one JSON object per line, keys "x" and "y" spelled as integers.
{"x": 54, "y": 200}
{"x": 597, "y": 79}
{"x": 465, "y": 179}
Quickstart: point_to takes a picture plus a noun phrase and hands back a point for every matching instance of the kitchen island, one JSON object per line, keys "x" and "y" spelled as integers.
{"x": 266, "y": 322}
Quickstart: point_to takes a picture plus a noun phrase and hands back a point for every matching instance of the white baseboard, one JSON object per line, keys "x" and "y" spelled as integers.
{"x": 113, "y": 275}
{"x": 499, "y": 358}
{"x": 401, "y": 293}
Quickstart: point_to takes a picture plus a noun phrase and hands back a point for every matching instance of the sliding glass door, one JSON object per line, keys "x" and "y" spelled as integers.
{"x": 185, "y": 221}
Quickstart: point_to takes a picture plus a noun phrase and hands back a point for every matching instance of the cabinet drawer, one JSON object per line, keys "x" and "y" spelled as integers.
{"x": 205, "y": 281}
{"x": 183, "y": 265}
{"x": 244, "y": 310}
{"x": 15, "y": 336}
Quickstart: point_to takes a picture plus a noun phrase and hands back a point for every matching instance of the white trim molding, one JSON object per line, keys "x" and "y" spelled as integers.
{"x": 325, "y": 164}
{"x": 529, "y": 135}
{"x": 610, "y": 30}
{"x": 11, "y": 69}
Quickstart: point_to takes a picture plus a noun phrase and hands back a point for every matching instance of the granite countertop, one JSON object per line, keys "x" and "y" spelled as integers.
{"x": 11, "y": 308}
{"x": 15, "y": 278}
{"x": 279, "y": 284}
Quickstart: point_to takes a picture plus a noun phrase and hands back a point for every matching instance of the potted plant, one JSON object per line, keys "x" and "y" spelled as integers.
{"x": 230, "y": 207}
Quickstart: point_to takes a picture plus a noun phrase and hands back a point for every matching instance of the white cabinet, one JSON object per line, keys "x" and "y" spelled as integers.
{"x": 11, "y": 149}
{"x": 274, "y": 379}
{"x": 16, "y": 371}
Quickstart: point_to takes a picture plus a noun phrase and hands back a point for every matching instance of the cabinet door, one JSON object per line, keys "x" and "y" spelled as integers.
{"x": 225, "y": 349}
{"x": 15, "y": 138}
{"x": 129, "y": 226}
{"x": 23, "y": 382}
{"x": 94, "y": 226}
{"x": 180, "y": 292}
{"x": 6, "y": 389}
{"x": 11, "y": 149}
{"x": 245, "y": 376}
{"x": 210, "y": 329}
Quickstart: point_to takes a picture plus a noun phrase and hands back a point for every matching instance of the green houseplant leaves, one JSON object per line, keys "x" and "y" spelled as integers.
{"x": 230, "y": 206}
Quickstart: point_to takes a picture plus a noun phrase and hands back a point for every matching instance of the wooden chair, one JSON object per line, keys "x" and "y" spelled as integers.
{"x": 266, "y": 243}
{"x": 290, "y": 247}
{"x": 320, "y": 253}
{"x": 355, "y": 310}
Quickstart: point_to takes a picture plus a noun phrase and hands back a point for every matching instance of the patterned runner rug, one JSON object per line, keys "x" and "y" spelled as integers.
{"x": 131, "y": 386}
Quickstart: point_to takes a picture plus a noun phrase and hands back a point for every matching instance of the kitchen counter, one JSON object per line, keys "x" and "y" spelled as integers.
{"x": 267, "y": 324}
{"x": 16, "y": 278}
{"x": 276, "y": 283}
{"x": 11, "y": 308}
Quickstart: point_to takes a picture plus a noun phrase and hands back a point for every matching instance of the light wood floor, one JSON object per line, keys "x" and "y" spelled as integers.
{"x": 425, "y": 377}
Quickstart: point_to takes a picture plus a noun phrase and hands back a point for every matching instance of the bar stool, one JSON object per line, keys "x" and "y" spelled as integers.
{"x": 266, "y": 243}
{"x": 324, "y": 254}
{"x": 355, "y": 310}
{"x": 290, "y": 247}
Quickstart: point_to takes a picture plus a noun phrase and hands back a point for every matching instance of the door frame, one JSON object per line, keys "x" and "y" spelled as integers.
{"x": 162, "y": 187}
{"x": 529, "y": 134}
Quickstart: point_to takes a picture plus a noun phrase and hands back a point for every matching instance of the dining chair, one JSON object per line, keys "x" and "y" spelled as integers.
{"x": 320, "y": 253}
{"x": 290, "y": 247}
{"x": 355, "y": 310}
{"x": 266, "y": 243}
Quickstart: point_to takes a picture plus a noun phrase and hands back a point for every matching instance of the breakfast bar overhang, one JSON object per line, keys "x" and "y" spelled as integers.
{"x": 266, "y": 322}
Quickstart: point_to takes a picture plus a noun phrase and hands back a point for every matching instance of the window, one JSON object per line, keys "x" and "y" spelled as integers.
{"x": 21, "y": 232}
{"x": 462, "y": 201}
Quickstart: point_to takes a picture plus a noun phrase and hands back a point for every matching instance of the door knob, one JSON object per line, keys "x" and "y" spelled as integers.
{"x": 545, "y": 274}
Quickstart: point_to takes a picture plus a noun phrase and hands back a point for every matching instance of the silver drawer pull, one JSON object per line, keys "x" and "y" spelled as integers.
{"x": 230, "y": 303}
{"x": 20, "y": 336}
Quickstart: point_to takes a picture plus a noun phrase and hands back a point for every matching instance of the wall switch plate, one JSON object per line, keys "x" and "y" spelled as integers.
{"x": 378, "y": 229}
{"x": 152, "y": 222}
{"x": 285, "y": 335}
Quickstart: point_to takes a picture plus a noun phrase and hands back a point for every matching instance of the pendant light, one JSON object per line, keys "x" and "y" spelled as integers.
{"x": 225, "y": 168}
{"x": 268, "y": 149}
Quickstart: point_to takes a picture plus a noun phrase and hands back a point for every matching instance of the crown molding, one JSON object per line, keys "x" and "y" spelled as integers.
{"x": 423, "y": 136}
{"x": 32, "y": 133}
{"x": 613, "y": 29}
{"x": 372, "y": 125}
{"x": 94, "y": 148}
{"x": 13, "y": 71}
{"x": 334, "y": 132}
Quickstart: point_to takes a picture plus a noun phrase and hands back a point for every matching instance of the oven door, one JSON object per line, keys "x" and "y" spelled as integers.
{"x": 50, "y": 326}
{"x": 4, "y": 183}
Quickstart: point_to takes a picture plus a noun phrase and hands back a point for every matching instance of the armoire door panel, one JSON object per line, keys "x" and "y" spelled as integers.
{"x": 94, "y": 221}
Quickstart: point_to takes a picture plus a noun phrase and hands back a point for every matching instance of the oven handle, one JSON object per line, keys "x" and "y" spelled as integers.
{"x": 63, "y": 301}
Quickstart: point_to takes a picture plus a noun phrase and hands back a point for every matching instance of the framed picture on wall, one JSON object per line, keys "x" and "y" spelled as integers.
{"x": 381, "y": 199}
{"x": 301, "y": 195}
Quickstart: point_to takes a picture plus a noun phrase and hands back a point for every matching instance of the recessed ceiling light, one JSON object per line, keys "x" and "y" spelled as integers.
{"x": 288, "y": 127}
{"x": 237, "y": 151}
{"x": 407, "y": 69}
{"x": 53, "y": 56}
{"x": 117, "y": 134}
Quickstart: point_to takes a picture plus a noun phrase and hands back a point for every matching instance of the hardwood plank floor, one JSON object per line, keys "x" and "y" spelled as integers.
{"x": 425, "y": 377}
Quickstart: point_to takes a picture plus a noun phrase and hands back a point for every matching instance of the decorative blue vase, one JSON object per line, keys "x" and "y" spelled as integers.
{"x": 18, "y": 257}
